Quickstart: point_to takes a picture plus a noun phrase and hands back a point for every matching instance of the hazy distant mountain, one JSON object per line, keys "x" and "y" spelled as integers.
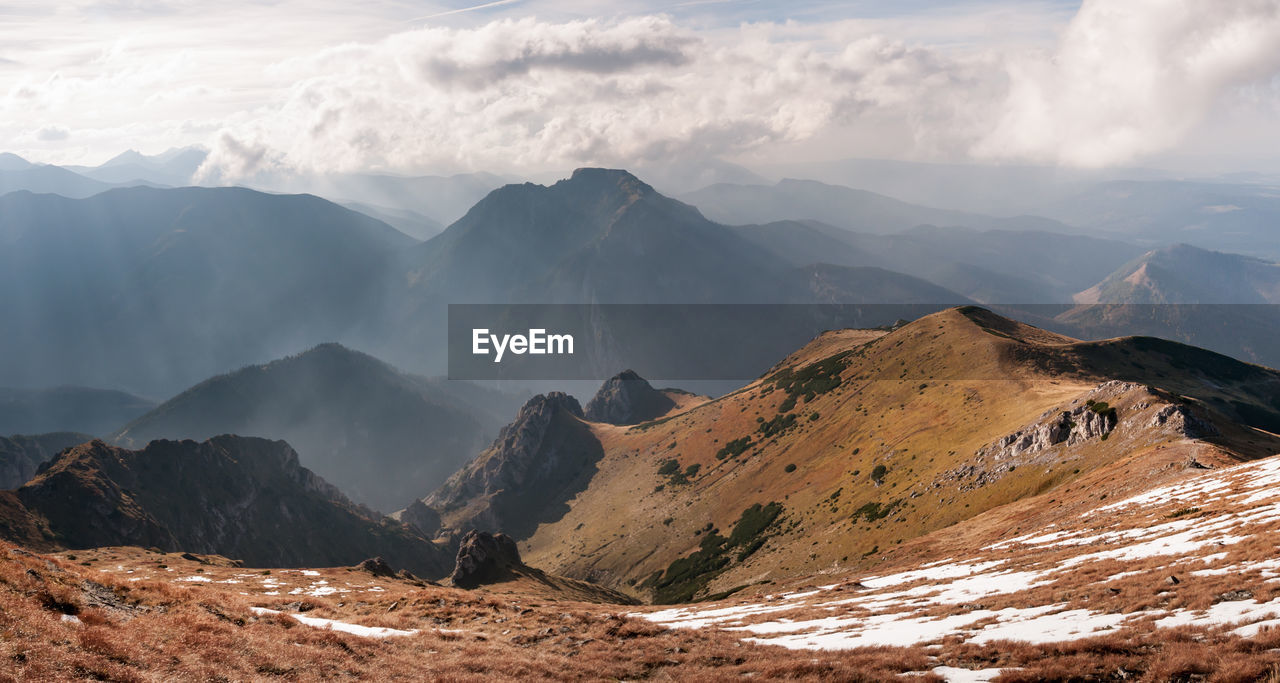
{"x": 382, "y": 436}
{"x": 442, "y": 199}
{"x": 678, "y": 178}
{"x": 993, "y": 266}
{"x": 411, "y": 223}
{"x": 155, "y": 289}
{"x": 857, "y": 210}
{"x": 604, "y": 236}
{"x": 1183, "y": 274}
{"x": 12, "y": 162}
{"x": 67, "y": 409}
{"x": 244, "y": 498}
{"x": 174, "y": 168}
{"x": 599, "y": 236}
{"x": 17, "y": 174}
{"x": 983, "y": 188}
{"x": 1238, "y": 218}
{"x": 1224, "y": 302}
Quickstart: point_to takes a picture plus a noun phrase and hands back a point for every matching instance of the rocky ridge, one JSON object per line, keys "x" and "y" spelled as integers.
{"x": 536, "y": 463}
{"x": 240, "y": 497}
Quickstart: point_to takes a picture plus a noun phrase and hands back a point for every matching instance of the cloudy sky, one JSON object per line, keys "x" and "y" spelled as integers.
{"x": 524, "y": 85}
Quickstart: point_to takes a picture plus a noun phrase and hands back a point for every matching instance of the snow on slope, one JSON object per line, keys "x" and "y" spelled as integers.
{"x": 1196, "y": 553}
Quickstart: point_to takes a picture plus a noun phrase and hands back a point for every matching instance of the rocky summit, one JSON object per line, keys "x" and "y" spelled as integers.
{"x": 536, "y": 464}
{"x": 627, "y": 399}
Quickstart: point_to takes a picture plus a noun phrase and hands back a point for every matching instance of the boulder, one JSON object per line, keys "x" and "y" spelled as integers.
{"x": 485, "y": 558}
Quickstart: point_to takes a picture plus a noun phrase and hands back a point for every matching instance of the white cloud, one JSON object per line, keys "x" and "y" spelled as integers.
{"x": 1117, "y": 82}
{"x": 527, "y": 94}
{"x": 52, "y": 134}
{"x": 1132, "y": 78}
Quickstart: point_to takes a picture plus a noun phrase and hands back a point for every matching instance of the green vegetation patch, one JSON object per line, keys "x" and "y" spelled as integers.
{"x": 874, "y": 512}
{"x": 778, "y": 425}
{"x": 670, "y": 468}
{"x": 1102, "y": 408}
{"x": 878, "y": 472}
{"x": 811, "y": 380}
{"x": 734, "y": 448}
{"x": 688, "y": 576}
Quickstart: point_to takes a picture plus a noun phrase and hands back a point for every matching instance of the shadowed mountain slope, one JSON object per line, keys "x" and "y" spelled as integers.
{"x": 155, "y": 289}
{"x": 243, "y": 498}
{"x": 381, "y": 436}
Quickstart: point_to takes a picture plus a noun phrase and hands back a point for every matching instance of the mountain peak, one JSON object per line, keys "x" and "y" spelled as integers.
{"x": 129, "y": 156}
{"x": 536, "y": 464}
{"x": 13, "y": 162}
{"x": 608, "y": 179}
{"x": 627, "y": 399}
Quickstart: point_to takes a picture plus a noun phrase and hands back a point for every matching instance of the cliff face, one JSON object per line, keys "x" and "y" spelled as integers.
{"x": 536, "y": 464}
{"x": 627, "y": 399}
{"x": 243, "y": 498}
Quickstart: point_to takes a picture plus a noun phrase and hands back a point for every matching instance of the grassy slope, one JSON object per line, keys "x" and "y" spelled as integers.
{"x": 921, "y": 401}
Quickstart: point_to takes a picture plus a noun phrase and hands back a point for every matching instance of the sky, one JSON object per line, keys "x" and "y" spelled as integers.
{"x": 518, "y": 86}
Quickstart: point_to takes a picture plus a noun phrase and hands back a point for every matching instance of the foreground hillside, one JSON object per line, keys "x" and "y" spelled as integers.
{"x": 851, "y": 447}
{"x": 127, "y": 614}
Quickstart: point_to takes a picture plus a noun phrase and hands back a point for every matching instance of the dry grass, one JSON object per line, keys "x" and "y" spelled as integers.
{"x": 161, "y": 628}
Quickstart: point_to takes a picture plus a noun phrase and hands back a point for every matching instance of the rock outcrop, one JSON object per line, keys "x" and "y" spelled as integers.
{"x": 627, "y": 399}
{"x": 1182, "y": 420}
{"x": 536, "y": 464}
{"x": 485, "y": 558}
{"x": 1082, "y": 421}
{"x": 242, "y": 498}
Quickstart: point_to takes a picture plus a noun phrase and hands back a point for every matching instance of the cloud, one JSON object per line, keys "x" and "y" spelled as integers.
{"x": 232, "y": 159}
{"x": 52, "y": 134}
{"x": 1131, "y": 78}
{"x": 529, "y": 94}
{"x": 1112, "y": 83}
{"x": 507, "y": 49}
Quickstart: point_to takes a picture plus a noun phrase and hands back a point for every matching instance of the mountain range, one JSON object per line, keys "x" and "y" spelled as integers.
{"x": 153, "y": 290}
{"x": 381, "y": 436}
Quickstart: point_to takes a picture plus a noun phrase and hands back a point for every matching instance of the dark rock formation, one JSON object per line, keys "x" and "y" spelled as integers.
{"x": 238, "y": 497}
{"x": 627, "y": 399}
{"x": 485, "y": 558}
{"x": 537, "y": 463}
{"x": 377, "y": 567}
